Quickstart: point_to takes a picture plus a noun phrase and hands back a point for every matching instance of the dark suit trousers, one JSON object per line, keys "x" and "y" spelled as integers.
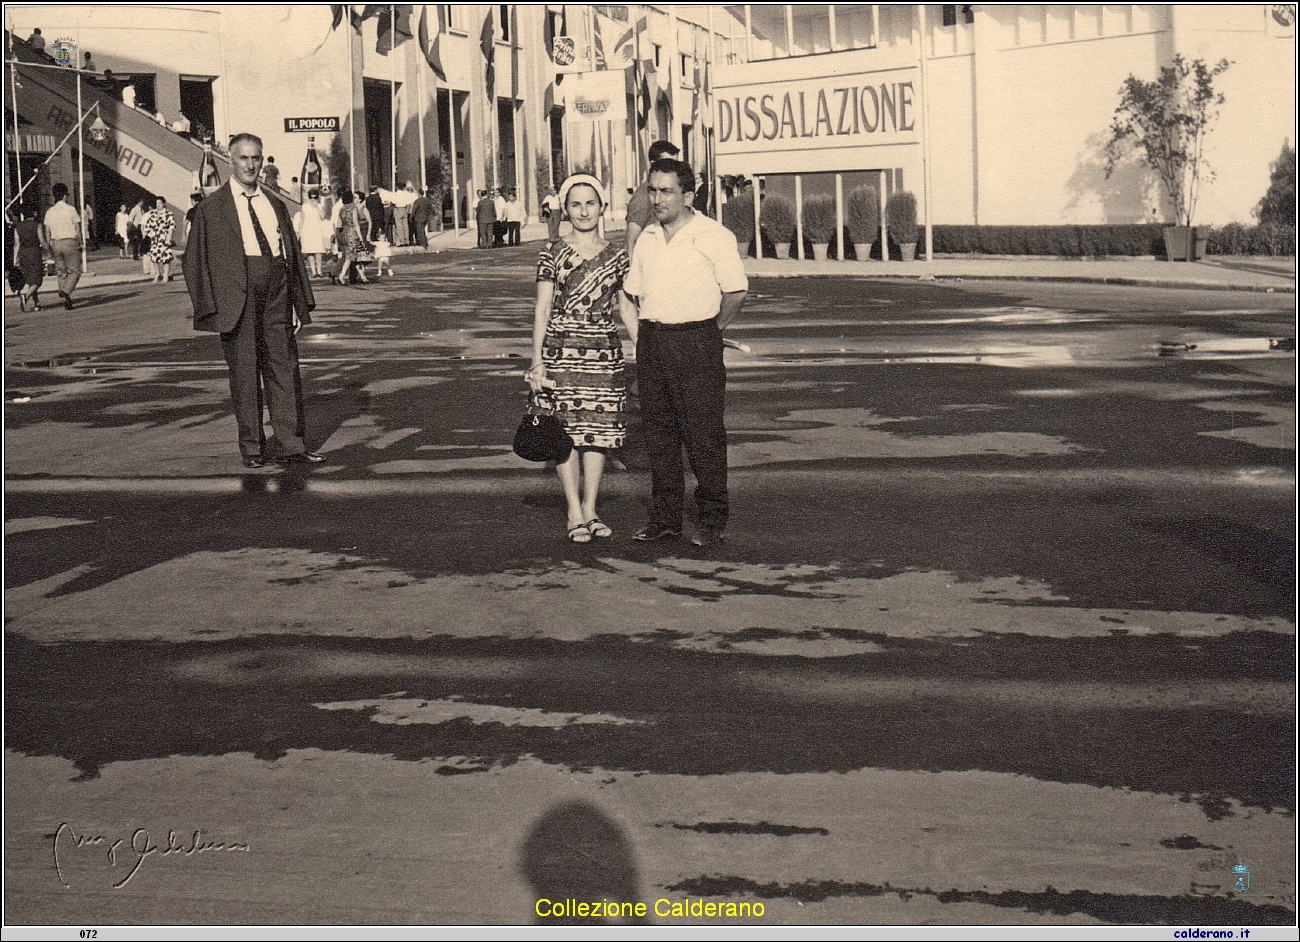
{"x": 263, "y": 358}
{"x": 682, "y": 384}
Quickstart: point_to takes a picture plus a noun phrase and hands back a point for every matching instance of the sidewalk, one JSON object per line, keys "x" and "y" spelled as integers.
{"x": 1219, "y": 273}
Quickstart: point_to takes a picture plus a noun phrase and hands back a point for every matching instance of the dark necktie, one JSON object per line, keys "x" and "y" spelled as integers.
{"x": 262, "y": 242}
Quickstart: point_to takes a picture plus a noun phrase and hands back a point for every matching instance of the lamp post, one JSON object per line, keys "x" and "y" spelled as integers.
{"x": 98, "y": 131}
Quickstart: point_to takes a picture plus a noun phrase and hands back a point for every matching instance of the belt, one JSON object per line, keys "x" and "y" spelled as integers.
{"x": 689, "y": 325}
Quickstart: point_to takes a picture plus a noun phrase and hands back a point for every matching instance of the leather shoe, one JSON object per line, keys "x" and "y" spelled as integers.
{"x": 707, "y": 536}
{"x": 656, "y": 531}
{"x": 303, "y": 457}
{"x": 254, "y": 461}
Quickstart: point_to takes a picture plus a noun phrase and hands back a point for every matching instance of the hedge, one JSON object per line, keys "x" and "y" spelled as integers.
{"x": 1233, "y": 239}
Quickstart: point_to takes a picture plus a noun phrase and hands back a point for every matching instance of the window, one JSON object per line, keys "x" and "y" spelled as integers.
{"x": 967, "y": 15}
{"x": 853, "y": 29}
{"x": 684, "y": 62}
{"x": 768, "y": 29}
{"x": 950, "y": 14}
{"x": 812, "y": 29}
{"x": 658, "y": 49}
{"x": 503, "y": 20}
{"x": 450, "y": 19}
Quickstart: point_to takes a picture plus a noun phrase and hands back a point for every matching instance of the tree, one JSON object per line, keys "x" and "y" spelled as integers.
{"x": 339, "y": 164}
{"x": 1167, "y": 120}
{"x": 1278, "y": 204}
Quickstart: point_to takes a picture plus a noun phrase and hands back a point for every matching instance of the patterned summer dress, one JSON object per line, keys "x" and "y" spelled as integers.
{"x": 160, "y": 226}
{"x": 582, "y": 351}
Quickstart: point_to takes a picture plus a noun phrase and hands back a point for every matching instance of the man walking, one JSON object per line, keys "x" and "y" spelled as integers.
{"x": 688, "y": 280}
{"x": 420, "y": 212}
{"x": 63, "y": 230}
{"x": 248, "y": 282}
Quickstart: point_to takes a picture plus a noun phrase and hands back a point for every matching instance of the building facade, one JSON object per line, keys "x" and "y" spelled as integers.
{"x": 988, "y": 114}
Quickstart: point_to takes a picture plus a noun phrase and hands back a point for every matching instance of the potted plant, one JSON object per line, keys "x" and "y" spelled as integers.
{"x": 779, "y": 221}
{"x": 862, "y": 216}
{"x": 900, "y": 214}
{"x": 1167, "y": 121}
{"x": 819, "y": 224}
{"x": 738, "y": 216}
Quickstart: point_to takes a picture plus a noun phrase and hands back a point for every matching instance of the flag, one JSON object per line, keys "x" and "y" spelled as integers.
{"x": 646, "y": 94}
{"x": 394, "y": 27}
{"x": 433, "y": 50}
{"x": 624, "y": 53}
{"x": 706, "y": 96}
{"x": 363, "y": 11}
{"x": 487, "y": 45}
{"x": 667, "y": 94}
{"x": 613, "y": 43}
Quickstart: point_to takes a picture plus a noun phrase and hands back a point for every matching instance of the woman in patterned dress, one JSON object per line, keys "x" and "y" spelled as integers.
{"x": 160, "y": 226}
{"x": 577, "y": 370}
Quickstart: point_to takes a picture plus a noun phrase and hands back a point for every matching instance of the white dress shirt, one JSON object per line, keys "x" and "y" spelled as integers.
{"x": 265, "y": 215}
{"x": 62, "y": 221}
{"x": 683, "y": 280}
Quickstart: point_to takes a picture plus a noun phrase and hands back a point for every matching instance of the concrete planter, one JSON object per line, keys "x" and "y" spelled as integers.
{"x": 820, "y": 250}
{"x": 783, "y": 250}
{"x": 909, "y": 251}
{"x": 1178, "y": 243}
{"x": 862, "y": 250}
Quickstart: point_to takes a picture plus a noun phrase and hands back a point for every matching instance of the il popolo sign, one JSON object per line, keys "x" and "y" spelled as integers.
{"x": 838, "y": 111}
{"x": 300, "y": 125}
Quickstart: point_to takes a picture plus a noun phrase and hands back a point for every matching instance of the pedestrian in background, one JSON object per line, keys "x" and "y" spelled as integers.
{"x": 271, "y": 174}
{"x": 313, "y": 231}
{"x": 485, "y": 215}
{"x": 577, "y": 370}
{"x": 639, "y": 211}
{"x": 28, "y": 258}
{"x": 122, "y": 227}
{"x": 551, "y": 213}
{"x": 62, "y": 229}
{"x": 499, "y": 226}
{"x": 160, "y": 226}
{"x": 514, "y": 218}
{"x": 421, "y": 210}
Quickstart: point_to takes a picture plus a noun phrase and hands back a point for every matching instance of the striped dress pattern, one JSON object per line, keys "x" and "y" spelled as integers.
{"x": 582, "y": 351}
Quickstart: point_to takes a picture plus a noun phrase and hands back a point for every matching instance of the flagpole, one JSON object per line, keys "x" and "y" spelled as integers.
{"x": 392, "y": 96}
{"x": 352, "y": 105}
{"x": 710, "y": 145}
{"x": 13, "y": 103}
{"x": 81, "y": 165}
{"x": 455, "y": 184}
{"x": 424, "y": 113}
{"x": 925, "y": 143}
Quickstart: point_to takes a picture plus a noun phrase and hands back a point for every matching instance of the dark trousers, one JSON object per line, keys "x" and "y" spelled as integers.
{"x": 513, "y": 229}
{"x": 683, "y": 385}
{"x": 262, "y": 355}
{"x": 485, "y": 234}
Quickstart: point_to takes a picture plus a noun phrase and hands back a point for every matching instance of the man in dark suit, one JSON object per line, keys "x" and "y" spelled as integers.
{"x": 248, "y": 282}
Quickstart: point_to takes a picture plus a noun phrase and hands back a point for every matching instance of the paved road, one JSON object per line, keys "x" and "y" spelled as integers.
{"x": 1003, "y": 631}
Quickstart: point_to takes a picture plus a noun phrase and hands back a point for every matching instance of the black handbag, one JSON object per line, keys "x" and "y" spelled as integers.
{"x": 541, "y": 437}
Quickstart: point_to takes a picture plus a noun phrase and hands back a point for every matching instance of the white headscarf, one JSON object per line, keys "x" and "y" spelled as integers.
{"x": 583, "y": 179}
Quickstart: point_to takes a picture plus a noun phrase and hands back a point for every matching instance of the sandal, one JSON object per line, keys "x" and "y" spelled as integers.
{"x": 599, "y": 529}
{"x": 579, "y": 534}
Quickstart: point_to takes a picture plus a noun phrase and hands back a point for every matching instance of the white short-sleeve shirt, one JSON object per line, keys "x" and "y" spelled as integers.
{"x": 683, "y": 280}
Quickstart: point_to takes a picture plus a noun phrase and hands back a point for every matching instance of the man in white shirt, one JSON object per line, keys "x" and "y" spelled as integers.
{"x": 63, "y": 229}
{"x": 514, "y": 219}
{"x": 248, "y": 282}
{"x": 499, "y": 227}
{"x": 689, "y": 283}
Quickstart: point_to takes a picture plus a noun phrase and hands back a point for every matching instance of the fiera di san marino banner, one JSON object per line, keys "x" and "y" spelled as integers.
{"x": 872, "y": 108}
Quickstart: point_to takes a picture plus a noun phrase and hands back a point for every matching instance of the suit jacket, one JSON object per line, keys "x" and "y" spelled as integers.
{"x": 214, "y": 264}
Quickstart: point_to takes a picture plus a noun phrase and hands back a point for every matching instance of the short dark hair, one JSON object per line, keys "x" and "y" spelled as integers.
{"x": 678, "y": 168}
{"x": 346, "y": 196}
{"x": 59, "y": 190}
{"x": 663, "y": 148}
{"x": 245, "y": 136}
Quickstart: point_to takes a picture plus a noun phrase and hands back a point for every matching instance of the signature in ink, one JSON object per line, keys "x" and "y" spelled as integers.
{"x": 131, "y": 853}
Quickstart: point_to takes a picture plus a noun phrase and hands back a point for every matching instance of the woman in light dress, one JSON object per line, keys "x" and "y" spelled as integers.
{"x": 313, "y": 231}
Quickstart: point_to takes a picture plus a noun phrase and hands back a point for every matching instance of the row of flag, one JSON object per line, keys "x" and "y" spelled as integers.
{"x": 615, "y": 46}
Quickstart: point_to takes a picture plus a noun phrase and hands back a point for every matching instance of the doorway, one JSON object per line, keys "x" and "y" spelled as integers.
{"x": 379, "y": 132}
{"x": 197, "y": 104}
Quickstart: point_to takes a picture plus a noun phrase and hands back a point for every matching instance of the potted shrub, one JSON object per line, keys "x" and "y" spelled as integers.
{"x": 1167, "y": 121}
{"x": 819, "y": 224}
{"x": 779, "y": 221}
{"x": 862, "y": 216}
{"x": 900, "y": 214}
{"x": 738, "y": 216}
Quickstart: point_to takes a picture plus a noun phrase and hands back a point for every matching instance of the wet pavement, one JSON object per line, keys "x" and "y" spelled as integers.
{"x": 1003, "y": 630}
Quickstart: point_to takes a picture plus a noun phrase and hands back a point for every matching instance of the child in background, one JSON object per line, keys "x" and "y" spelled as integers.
{"x": 383, "y": 255}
